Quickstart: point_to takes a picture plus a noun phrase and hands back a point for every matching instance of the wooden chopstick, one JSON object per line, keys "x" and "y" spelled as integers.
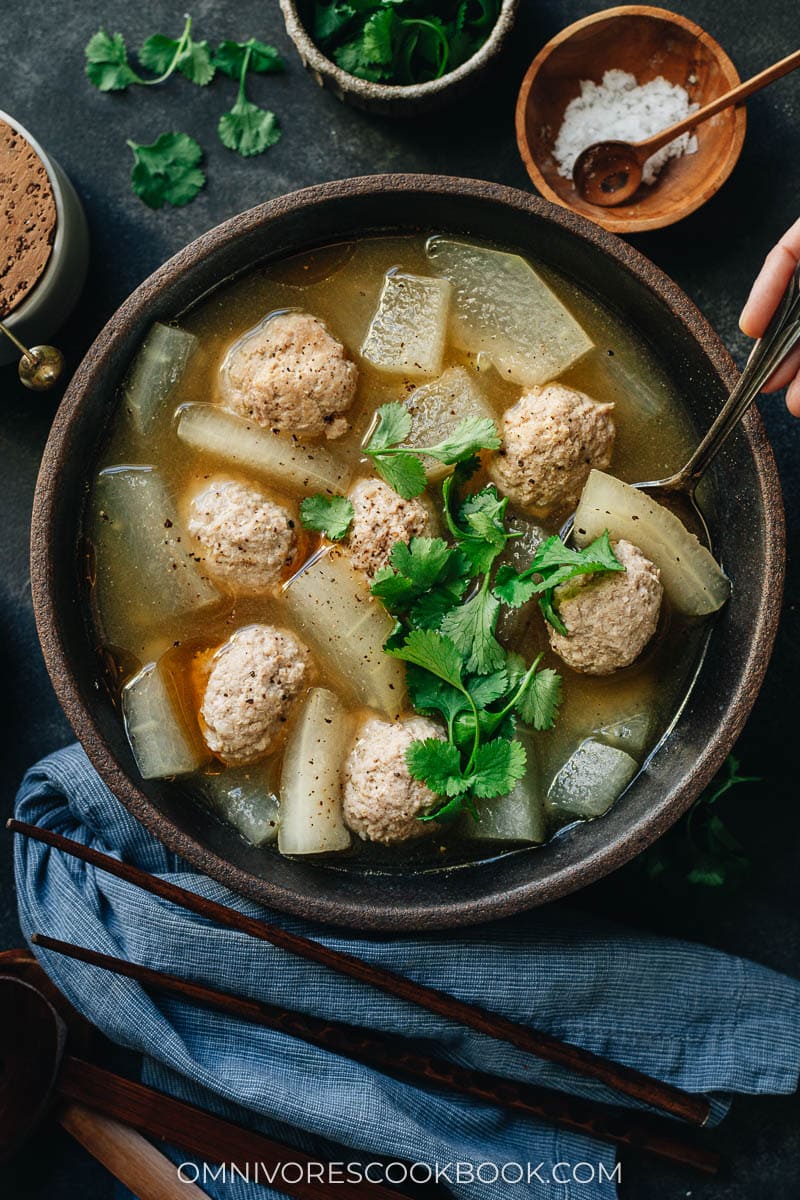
{"x": 399, "y": 1056}
{"x": 211, "y": 1138}
{"x": 632, "y": 1083}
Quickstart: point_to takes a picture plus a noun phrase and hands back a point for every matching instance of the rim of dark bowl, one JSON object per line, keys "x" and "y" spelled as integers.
{"x": 395, "y": 96}
{"x": 383, "y": 911}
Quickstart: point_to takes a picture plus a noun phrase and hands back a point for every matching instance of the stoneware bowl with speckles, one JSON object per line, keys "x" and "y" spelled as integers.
{"x": 748, "y": 533}
{"x": 396, "y": 100}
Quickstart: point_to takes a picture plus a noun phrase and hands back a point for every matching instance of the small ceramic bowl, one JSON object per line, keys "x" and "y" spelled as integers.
{"x": 646, "y": 42}
{"x": 394, "y": 100}
{"x": 53, "y": 297}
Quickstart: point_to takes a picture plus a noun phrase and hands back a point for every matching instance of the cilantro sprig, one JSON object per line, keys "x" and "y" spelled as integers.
{"x": 445, "y": 614}
{"x": 167, "y": 171}
{"x": 107, "y": 65}
{"x": 331, "y": 515}
{"x": 402, "y": 41}
{"x": 246, "y": 128}
{"x": 402, "y": 467}
{"x": 554, "y": 563}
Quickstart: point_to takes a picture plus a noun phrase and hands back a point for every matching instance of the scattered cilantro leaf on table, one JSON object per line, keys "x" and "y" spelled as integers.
{"x": 246, "y": 128}
{"x": 165, "y": 54}
{"x": 163, "y": 174}
{"x": 330, "y": 515}
{"x": 107, "y": 65}
{"x": 229, "y": 58}
{"x": 167, "y": 171}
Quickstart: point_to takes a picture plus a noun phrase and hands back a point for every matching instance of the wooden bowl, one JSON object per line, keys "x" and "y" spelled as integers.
{"x": 647, "y": 42}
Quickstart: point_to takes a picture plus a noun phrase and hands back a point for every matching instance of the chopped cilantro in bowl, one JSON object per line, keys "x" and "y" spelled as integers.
{"x": 402, "y": 41}
{"x": 399, "y": 57}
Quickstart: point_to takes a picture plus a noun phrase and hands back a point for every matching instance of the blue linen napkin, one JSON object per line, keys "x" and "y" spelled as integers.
{"x": 698, "y": 1018}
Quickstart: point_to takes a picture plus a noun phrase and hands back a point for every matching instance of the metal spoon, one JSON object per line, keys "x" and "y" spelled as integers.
{"x": 780, "y": 337}
{"x": 608, "y": 173}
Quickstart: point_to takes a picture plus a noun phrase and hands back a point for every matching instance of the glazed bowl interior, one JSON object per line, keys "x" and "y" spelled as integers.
{"x": 747, "y": 529}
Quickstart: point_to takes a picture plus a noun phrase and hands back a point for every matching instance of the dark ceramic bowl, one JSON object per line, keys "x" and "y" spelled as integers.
{"x": 395, "y": 100}
{"x": 748, "y": 534}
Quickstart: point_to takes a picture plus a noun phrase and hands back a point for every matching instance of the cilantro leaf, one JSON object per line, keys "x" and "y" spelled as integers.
{"x": 107, "y": 64}
{"x": 428, "y": 611}
{"x": 485, "y": 689}
{"x": 330, "y": 515}
{"x": 402, "y": 41}
{"x": 479, "y": 525}
{"x": 700, "y": 850}
{"x": 437, "y": 764}
{"x": 167, "y": 171}
{"x": 393, "y": 426}
{"x": 229, "y": 58}
{"x": 553, "y": 564}
{"x": 164, "y": 54}
{"x": 404, "y": 474}
{"x": 417, "y": 568}
{"x": 469, "y": 437}
{"x": 512, "y": 588}
{"x": 431, "y": 695}
{"x": 538, "y": 702}
{"x": 330, "y": 19}
{"x": 499, "y": 764}
{"x": 422, "y": 560}
{"x": 248, "y": 129}
{"x": 471, "y": 627}
{"x": 435, "y": 653}
{"x": 376, "y": 39}
{"x": 401, "y": 467}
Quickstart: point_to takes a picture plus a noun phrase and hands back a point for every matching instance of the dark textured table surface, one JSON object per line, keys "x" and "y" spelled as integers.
{"x": 713, "y": 255}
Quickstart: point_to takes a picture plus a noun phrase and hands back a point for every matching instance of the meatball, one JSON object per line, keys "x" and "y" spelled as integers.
{"x": 255, "y": 679}
{"x": 381, "y": 518}
{"x": 248, "y": 540}
{"x": 609, "y": 618}
{"x": 552, "y": 437}
{"x": 381, "y": 800}
{"x": 290, "y": 373}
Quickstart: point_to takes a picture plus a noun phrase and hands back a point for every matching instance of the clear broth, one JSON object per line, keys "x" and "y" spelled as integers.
{"x": 341, "y": 285}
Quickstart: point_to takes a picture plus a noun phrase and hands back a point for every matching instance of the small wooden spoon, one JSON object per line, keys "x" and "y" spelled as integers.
{"x": 608, "y": 173}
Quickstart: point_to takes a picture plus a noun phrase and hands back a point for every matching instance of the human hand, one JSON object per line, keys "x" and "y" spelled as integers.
{"x": 764, "y": 298}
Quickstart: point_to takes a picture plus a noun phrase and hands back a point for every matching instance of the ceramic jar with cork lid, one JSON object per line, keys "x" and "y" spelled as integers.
{"x": 44, "y": 241}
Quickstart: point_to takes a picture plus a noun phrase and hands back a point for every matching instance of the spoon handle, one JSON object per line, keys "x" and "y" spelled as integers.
{"x": 130, "y": 1158}
{"x": 780, "y": 336}
{"x": 734, "y": 96}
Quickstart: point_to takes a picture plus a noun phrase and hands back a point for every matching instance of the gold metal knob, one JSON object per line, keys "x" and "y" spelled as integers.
{"x": 40, "y": 367}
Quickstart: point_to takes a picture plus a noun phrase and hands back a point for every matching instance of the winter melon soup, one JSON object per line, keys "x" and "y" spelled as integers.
{"x": 325, "y": 556}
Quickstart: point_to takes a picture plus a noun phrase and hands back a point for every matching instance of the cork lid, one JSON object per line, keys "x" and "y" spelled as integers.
{"x": 27, "y": 219}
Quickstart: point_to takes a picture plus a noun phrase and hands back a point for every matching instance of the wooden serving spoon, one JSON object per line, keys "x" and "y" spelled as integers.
{"x": 33, "y": 1039}
{"x": 608, "y": 173}
{"x": 109, "y": 1114}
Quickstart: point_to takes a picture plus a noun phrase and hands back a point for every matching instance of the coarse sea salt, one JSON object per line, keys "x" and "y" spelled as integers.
{"x": 620, "y": 108}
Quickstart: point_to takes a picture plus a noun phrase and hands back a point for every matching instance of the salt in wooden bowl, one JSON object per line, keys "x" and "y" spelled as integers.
{"x": 646, "y": 42}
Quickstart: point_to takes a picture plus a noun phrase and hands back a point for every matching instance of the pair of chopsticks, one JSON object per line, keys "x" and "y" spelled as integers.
{"x": 393, "y": 1055}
